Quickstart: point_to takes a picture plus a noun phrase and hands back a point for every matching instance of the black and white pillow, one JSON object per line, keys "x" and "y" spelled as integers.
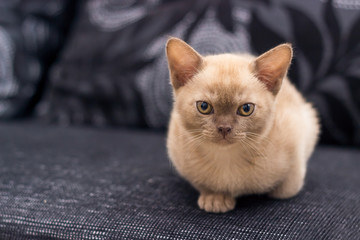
{"x": 113, "y": 70}
{"x": 31, "y": 32}
{"x": 326, "y": 68}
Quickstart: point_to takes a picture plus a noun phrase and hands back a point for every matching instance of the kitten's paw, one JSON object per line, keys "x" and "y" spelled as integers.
{"x": 216, "y": 203}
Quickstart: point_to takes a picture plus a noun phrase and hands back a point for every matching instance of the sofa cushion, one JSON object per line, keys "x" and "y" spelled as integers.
{"x": 113, "y": 69}
{"x": 79, "y": 183}
{"x": 31, "y": 34}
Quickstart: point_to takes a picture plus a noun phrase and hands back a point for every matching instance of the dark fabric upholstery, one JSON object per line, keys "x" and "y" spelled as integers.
{"x": 113, "y": 71}
{"x": 78, "y": 183}
{"x": 31, "y": 34}
{"x": 326, "y": 63}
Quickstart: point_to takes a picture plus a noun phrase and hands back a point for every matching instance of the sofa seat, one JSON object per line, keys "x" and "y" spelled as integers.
{"x": 85, "y": 183}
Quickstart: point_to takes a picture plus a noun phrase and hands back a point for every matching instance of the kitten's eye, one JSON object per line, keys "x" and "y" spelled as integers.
{"x": 246, "y": 110}
{"x": 204, "y": 107}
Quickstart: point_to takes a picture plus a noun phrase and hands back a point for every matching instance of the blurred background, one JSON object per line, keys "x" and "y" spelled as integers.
{"x": 102, "y": 63}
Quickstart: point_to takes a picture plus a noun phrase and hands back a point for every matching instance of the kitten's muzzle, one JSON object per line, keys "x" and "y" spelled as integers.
{"x": 224, "y": 130}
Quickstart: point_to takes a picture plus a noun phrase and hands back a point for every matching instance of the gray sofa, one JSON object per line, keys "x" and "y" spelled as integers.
{"x": 85, "y": 101}
{"x": 82, "y": 183}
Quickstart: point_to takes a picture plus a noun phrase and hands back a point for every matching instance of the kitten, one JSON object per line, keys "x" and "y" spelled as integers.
{"x": 238, "y": 126}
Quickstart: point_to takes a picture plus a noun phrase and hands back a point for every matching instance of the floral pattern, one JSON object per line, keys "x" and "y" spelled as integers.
{"x": 325, "y": 68}
{"x": 113, "y": 70}
{"x": 31, "y": 33}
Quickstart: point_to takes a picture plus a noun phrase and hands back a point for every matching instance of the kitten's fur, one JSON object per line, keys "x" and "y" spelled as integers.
{"x": 265, "y": 152}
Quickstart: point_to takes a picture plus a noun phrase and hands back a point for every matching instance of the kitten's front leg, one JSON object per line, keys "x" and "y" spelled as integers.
{"x": 216, "y": 202}
{"x": 293, "y": 182}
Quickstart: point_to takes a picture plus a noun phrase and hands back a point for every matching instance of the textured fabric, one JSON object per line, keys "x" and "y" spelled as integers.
{"x": 76, "y": 183}
{"x": 113, "y": 70}
{"x": 326, "y": 40}
{"x": 31, "y": 33}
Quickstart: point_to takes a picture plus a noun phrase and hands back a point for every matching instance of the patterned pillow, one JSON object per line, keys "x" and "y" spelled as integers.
{"x": 114, "y": 71}
{"x": 326, "y": 67}
{"x": 31, "y": 32}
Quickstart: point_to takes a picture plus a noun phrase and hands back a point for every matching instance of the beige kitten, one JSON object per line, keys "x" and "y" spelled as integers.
{"x": 238, "y": 126}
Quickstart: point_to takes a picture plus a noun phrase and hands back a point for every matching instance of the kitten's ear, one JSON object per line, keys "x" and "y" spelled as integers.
{"x": 184, "y": 62}
{"x": 271, "y": 67}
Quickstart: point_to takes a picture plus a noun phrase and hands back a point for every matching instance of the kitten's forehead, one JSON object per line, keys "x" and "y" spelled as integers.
{"x": 226, "y": 77}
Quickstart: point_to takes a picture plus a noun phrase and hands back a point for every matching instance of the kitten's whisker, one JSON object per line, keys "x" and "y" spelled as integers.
{"x": 259, "y": 137}
{"x": 186, "y": 133}
{"x": 255, "y": 147}
{"x": 259, "y": 142}
{"x": 252, "y": 156}
{"x": 192, "y": 140}
{"x": 195, "y": 147}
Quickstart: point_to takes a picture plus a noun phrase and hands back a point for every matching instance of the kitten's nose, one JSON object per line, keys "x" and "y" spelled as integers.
{"x": 224, "y": 130}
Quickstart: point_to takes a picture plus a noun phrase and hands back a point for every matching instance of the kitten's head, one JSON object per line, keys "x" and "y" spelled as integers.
{"x": 225, "y": 98}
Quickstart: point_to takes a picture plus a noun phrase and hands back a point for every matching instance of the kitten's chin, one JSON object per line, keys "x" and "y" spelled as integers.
{"x": 223, "y": 141}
